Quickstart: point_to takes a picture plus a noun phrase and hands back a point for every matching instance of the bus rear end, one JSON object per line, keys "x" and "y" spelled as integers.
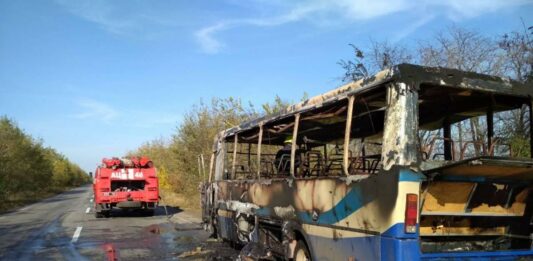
{"x": 477, "y": 208}
{"x": 476, "y": 199}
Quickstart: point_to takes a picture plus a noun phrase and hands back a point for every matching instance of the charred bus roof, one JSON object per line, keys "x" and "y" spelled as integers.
{"x": 413, "y": 75}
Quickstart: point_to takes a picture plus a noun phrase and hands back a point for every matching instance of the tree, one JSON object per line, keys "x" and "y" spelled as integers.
{"x": 356, "y": 69}
{"x": 517, "y": 47}
{"x": 462, "y": 49}
{"x": 276, "y": 107}
{"x": 196, "y": 133}
{"x": 28, "y": 170}
{"x": 466, "y": 50}
{"x": 382, "y": 55}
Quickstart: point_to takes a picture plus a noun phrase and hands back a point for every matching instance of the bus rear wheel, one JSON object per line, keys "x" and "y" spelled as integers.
{"x": 301, "y": 253}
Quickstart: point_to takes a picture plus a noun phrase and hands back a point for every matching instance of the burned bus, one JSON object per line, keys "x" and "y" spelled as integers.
{"x": 379, "y": 169}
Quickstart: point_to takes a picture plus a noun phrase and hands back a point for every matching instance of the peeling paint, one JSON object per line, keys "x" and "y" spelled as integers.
{"x": 285, "y": 212}
{"x": 239, "y": 207}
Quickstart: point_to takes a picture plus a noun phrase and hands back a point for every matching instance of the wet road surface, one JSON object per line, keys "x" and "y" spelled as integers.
{"x": 64, "y": 227}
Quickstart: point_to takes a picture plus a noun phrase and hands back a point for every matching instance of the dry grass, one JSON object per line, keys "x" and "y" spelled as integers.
{"x": 182, "y": 201}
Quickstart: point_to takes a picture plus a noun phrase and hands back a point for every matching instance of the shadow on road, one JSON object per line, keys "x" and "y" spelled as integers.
{"x": 167, "y": 211}
{"x": 159, "y": 211}
{"x": 74, "y": 191}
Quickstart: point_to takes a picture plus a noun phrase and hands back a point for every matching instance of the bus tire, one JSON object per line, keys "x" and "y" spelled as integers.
{"x": 301, "y": 252}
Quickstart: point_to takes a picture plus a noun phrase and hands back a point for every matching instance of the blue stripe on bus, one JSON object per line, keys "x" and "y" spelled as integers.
{"x": 409, "y": 175}
{"x": 352, "y": 202}
{"x": 264, "y": 212}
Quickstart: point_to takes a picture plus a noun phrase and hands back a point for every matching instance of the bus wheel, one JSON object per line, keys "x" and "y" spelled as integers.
{"x": 301, "y": 253}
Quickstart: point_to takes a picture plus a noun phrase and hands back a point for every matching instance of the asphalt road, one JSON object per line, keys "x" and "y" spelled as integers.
{"x": 64, "y": 227}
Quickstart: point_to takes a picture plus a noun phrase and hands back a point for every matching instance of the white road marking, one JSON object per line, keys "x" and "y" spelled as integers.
{"x": 88, "y": 209}
{"x": 76, "y": 235}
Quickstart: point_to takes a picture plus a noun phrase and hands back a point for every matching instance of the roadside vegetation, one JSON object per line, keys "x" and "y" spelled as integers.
{"x": 177, "y": 159}
{"x": 509, "y": 55}
{"x": 29, "y": 171}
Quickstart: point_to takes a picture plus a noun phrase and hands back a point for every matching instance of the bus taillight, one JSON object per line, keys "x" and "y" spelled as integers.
{"x": 411, "y": 213}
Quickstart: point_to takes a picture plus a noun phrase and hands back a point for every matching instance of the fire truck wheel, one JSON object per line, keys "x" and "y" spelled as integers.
{"x": 149, "y": 212}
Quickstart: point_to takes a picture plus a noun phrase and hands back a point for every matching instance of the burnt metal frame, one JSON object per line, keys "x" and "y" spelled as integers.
{"x": 531, "y": 128}
{"x": 411, "y": 75}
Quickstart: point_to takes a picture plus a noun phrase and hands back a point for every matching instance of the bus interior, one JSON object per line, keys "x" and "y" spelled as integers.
{"x": 319, "y": 140}
{"x": 477, "y": 193}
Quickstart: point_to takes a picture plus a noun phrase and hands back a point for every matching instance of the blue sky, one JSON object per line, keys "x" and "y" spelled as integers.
{"x": 98, "y": 78}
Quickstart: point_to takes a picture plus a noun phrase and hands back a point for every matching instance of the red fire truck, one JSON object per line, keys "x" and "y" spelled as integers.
{"x": 125, "y": 183}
